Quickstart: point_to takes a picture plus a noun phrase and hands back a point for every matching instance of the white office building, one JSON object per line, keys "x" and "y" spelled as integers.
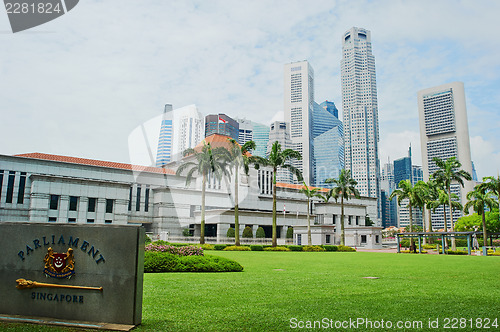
{"x": 360, "y": 111}
{"x": 444, "y": 133}
{"x": 299, "y": 101}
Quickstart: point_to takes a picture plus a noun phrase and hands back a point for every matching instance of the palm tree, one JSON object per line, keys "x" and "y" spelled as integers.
{"x": 449, "y": 171}
{"x": 279, "y": 159}
{"x": 208, "y": 161}
{"x": 414, "y": 196}
{"x": 345, "y": 187}
{"x": 310, "y": 193}
{"x": 493, "y": 184}
{"x": 240, "y": 158}
{"x": 431, "y": 195}
{"x": 478, "y": 199}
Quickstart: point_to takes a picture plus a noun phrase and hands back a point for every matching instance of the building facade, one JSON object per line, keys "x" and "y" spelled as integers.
{"x": 298, "y": 108}
{"x": 55, "y": 189}
{"x": 444, "y": 133}
{"x": 253, "y": 131}
{"x": 360, "y": 111}
{"x": 223, "y": 125}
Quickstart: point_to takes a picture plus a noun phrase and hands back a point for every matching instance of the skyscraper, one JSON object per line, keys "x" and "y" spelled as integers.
{"x": 299, "y": 99}
{"x": 360, "y": 111}
{"x": 279, "y": 133}
{"x": 253, "y": 131}
{"x": 327, "y": 143}
{"x": 221, "y": 124}
{"x": 165, "y": 141}
{"x": 444, "y": 133}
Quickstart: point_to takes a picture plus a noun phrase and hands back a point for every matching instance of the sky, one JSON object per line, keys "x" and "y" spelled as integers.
{"x": 80, "y": 84}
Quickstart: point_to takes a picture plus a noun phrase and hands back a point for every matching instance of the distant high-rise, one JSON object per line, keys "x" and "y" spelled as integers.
{"x": 327, "y": 144}
{"x": 444, "y": 133}
{"x": 279, "y": 132}
{"x": 360, "y": 111}
{"x": 253, "y": 131}
{"x": 388, "y": 207}
{"x": 165, "y": 141}
{"x": 299, "y": 99}
{"x": 221, "y": 124}
{"x": 190, "y": 128}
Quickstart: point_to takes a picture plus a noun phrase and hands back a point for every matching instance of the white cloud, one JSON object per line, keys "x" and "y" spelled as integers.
{"x": 485, "y": 156}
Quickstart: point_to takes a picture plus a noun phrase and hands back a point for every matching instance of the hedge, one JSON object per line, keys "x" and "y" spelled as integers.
{"x": 236, "y": 248}
{"x": 166, "y": 262}
{"x": 276, "y": 249}
{"x": 294, "y": 248}
{"x": 345, "y": 249}
{"x": 313, "y": 248}
{"x": 256, "y": 248}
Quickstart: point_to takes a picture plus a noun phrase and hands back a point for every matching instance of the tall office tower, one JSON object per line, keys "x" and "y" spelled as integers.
{"x": 253, "y": 131}
{"x": 330, "y": 107}
{"x": 299, "y": 99}
{"x": 261, "y": 139}
{"x": 404, "y": 170}
{"x": 387, "y": 186}
{"x": 188, "y": 128}
{"x": 360, "y": 111}
{"x": 327, "y": 144}
{"x": 279, "y": 132}
{"x": 165, "y": 141}
{"x": 221, "y": 124}
{"x": 444, "y": 133}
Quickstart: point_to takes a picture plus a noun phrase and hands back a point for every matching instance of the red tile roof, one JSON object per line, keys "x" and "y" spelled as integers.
{"x": 93, "y": 162}
{"x": 216, "y": 141}
{"x": 296, "y": 186}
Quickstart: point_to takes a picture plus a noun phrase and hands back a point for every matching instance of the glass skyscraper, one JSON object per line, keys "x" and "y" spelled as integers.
{"x": 164, "y": 152}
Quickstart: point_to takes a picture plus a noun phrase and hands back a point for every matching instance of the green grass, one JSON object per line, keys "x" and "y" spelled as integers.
{"x": 278, "y": 286}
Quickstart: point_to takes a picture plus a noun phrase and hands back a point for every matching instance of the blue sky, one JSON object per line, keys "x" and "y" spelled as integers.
{"x": 80, "y": 84}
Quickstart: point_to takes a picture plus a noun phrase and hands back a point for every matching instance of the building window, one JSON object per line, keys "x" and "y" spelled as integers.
{"x": 73, "y": 203}
{"x": 71, "y": 220}
{"x": 334, "y": 219}
{"x": 138, "y": 199}
{"x": 376, "y": 239}
{"x": 299, "y": 239}
{"x": 1, "y": 183}
{"x": 350, "y": 220}
{"x": 328, "y": 238}
{"x": 109, "y": 206}
{"x": 54, "y": 202}
{"x": 22, "y": 187}
{"x": 10, "y": 187}
{"x": 108, "y": 221}
{"x": 90, "y": 221}
{"x": 146, "y": 198}
{"x": 92, "y": 203}
{"x": 130, "y": 200}
{"x": 357, "y": 220}
{"x": 52, "y": 219}
{"x": 363, "y": 238}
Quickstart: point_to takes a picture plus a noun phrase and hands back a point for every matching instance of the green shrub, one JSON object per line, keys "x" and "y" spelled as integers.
{"x": 230, "y": 232}
{"x": 345, "y": 249}
{"x": 289, "y": 233}
{"x": 220, "y": 246}
{"x": 147, "y": 240}
{"x": 186, "y": 232}
{"x": 166, "y": 262}
{"x": 207, "y": 246}
{"x": 236, "y": 248}
{"x": 161, "y": 243}
{"x": 457, "y": 252}
{"x": 276, "y": 249}
{"x": 429, "y": 246}
{"x": 330, "y": 248}
{"x": 313, "y": 248}
{"x": 176, "y": 244}
{"x": 294, "y": 248}
{"x": 160, "y": 261}
{"x": 260, "y": 233}
{"x": 256, "y": 248}
{"x": 247, "y": 232}
{"x": 411, "y": 252}
{"x": 208, "y": 264}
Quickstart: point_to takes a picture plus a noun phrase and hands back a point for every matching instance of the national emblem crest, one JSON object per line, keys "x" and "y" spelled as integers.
{"x": 59, "y": 265}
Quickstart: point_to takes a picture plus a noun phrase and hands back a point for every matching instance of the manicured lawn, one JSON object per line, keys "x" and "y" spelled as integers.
{"x": 279, "y": 286}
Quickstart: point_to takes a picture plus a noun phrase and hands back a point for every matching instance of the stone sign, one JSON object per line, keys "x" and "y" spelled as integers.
{"x": 72, "y": 272}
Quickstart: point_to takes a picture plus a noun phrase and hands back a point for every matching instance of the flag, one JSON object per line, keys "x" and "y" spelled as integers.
{"x": 222, "y": 120}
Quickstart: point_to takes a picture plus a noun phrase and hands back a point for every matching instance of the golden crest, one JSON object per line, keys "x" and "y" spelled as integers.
{"x": 59, "y": 265}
